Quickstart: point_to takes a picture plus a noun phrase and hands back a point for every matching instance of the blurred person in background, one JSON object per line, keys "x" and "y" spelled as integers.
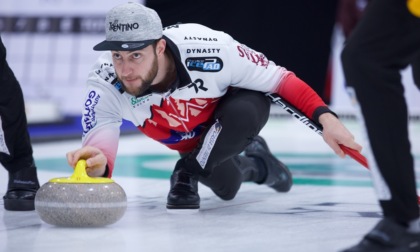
{"x": 15, "y": 144}
{"x": 385, "y": 41}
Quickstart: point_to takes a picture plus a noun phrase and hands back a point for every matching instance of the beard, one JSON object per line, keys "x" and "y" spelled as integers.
{"x": 145, "y": 82}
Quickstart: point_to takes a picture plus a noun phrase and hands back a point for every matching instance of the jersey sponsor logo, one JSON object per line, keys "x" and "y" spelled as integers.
{"x": 208, "y": 144}
{"x": 198, "y": 85}
{"x": 177, "y": 136}
{"x": 115, "y": 26}
{"x": 137, "y": 101}
{"x": 199, "y": 38}
{"x": 258, "y": 58}
{"x": 89, "y": 117}
{"x": 203, "y": 50}
{"x": 208, "y": 64}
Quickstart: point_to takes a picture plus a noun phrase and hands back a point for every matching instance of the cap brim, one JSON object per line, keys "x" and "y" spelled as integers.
{"x": 122, "y": 45}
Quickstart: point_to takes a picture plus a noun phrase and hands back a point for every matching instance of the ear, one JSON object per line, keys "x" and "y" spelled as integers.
{"x": 160, "y": 47}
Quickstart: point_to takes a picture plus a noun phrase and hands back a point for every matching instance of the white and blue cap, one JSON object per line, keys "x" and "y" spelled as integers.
{"x": 130, "y": 27}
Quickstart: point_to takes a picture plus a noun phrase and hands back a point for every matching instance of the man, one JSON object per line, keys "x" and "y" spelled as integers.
{"x": 385, "y": 41}
{"x": 15, "y": 145}
{"x": 199, "y": 92}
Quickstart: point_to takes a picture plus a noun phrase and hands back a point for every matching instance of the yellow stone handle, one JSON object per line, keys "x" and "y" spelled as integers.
{"x": 80, "y": 176}
{"x": 414, "y": 7}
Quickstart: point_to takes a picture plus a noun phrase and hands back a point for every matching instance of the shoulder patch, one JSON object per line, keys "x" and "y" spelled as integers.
{"x": 107, "y": 72}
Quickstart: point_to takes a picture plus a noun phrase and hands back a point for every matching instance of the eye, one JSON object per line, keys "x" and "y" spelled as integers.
{"x": 116, "y": 56}
{"x": 136, "y": 55}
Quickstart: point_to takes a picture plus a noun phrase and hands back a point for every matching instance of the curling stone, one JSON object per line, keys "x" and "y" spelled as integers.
{"x": 80, "y": 200}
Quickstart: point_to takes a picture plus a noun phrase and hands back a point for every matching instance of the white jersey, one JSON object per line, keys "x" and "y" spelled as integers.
{"x": 208, "y": 63}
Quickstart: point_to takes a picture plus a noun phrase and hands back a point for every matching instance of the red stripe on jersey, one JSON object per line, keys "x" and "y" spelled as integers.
{"x": 300, "y": 94}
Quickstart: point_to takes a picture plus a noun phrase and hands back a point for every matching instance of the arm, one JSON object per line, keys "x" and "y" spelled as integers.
{"x": 99, "y": 145}
{"x": 253, "y": 71}
{"x": 298, "y": 93}
{"x": 302, "y": 96}
{"x": 333, "y": 131}
{"x": 101, "y": 122}
{"x": 99, "y": 149}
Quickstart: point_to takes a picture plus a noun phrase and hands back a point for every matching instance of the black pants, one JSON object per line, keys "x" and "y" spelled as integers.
{"x": 239, "y": 117}
{"x": 386, "y": 40}
{"x": 15, "y": 145}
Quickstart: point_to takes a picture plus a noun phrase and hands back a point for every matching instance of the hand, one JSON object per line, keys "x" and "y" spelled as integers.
{"x": 95, "y": 160}
{"x": 335, "y": 133}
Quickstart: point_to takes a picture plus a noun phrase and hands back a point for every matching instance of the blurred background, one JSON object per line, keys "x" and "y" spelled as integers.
{"x": 49, "y": 45}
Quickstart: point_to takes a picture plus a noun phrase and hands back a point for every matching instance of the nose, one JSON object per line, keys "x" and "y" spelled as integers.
{"x": 126, "y": 69}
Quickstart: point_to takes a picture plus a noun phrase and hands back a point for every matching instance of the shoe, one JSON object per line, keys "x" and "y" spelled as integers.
{"x": 278, "y": 175}
{"x": 183, "y": 194}
{"x": 21, "y": 191}
{"x": 20, "y": 199}
{"x": 388, "y": 235}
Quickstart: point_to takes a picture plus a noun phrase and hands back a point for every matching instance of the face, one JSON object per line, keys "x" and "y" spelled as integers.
{"x": 136, "y": 70}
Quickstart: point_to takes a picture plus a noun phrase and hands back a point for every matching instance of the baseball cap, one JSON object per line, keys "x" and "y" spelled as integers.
{"x": 129, "y": 27}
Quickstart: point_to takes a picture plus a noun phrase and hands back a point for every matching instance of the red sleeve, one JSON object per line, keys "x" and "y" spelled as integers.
{"x": 302, "y": 96}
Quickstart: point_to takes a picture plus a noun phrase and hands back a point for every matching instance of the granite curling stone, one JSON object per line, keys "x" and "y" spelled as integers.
{"x": 80, "y": 200}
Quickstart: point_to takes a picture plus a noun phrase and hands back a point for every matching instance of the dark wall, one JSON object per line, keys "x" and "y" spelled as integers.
{"x": 295, "y": 34}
